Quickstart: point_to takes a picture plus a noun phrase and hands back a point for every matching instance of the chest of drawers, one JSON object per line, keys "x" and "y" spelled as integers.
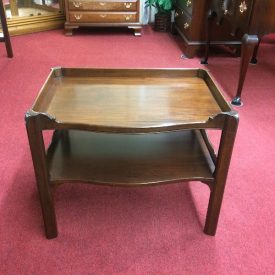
{"x": 190, "y": 24}
{"x": 101, "y": 13}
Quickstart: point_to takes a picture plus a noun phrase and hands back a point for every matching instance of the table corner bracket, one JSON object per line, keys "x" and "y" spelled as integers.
{"x": 57, "y": 71}
{"x": 30, "y": 114}
{"x": 221, "y": 116}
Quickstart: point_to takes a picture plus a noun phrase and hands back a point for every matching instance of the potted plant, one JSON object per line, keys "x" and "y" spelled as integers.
{"x": 163, "y": 15}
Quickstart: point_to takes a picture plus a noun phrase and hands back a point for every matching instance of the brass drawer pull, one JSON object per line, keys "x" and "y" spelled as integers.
{"x": 102, "y": 3}
{"x": 77, "y": 4}
{"x": 128, "y": 17}
{"x": 178, "y": 13}
{"x": 128, "y": 5}
{"x": 243, "y": 7}
{"x": 103, "y": 15}
{"x": 188, "y": 3}
{"x": 186, "y": 25}
{"x": 78, "y": 16}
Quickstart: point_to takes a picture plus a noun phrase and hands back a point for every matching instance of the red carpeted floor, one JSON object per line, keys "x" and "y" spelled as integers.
{"x": 154, "y": 230}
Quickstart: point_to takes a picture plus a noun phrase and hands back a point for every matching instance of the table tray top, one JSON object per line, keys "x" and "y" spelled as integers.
{"x": 130, "y": 99}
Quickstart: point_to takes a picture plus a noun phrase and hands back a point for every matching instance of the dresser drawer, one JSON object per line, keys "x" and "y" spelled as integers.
{"x": 186, "y": 5}
{"x": 237, "y": 12}
{"x": 102, "y": 17}
{"x": 243, "y": 12}
{"x": 183, "y": 21}
{"x": 106, "y": 5}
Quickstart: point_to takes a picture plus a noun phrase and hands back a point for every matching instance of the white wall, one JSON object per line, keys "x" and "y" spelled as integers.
{"x": 147, "y": 15}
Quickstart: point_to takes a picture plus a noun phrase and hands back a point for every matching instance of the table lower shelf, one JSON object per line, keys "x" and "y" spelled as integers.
{"x": 128, "y": 159}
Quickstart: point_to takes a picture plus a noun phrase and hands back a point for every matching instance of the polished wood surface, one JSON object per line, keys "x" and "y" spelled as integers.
{"x": 133, "y": 100}
{"x": 118, "y": 5}
{"x": 128, "y": 160}
{"x": 130, "y": 127}
{"x": 111, "y": 13}
{"x": 103, "y": 17}
{"x": 253, "y": 18}
{"x": 5, "y": 36}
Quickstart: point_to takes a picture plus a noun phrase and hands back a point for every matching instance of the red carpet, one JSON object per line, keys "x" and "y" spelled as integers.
{"x": 155, "y": 230}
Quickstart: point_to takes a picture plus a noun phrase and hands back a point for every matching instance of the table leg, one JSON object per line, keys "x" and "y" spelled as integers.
{"x": 249, "y": 42}
{"x": 255, "y": 52}
{"x": 222, "y": 166}
{"x": 5, "y": 30}
{"x": 42, "y": 178}
{"x": 209, "y": 23}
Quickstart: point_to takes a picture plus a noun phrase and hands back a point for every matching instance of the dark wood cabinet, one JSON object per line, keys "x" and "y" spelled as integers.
{"x": 250, "y": 16}
{"x": 254, "y": 19}
{"x": 190, "y": 24}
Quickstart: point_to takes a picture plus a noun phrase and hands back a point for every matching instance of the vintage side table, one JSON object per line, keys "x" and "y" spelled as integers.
{"x": 130, "y": 127}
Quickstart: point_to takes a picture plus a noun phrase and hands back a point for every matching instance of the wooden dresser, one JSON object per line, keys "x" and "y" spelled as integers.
{"x": 190, "y": 24}
{"x": 254, "y": 19}
{"x": 102, "y": 13}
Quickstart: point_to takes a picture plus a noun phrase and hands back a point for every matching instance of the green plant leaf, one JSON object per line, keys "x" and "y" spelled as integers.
{"x": 161, "y": 5}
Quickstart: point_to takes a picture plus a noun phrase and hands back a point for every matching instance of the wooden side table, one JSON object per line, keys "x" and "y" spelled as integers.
{"x": 130, "y": 127}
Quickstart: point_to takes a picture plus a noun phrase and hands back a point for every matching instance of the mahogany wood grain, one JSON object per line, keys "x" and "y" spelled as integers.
{"x": 131, "y": 99}
{"x": 222, "y": 167}
{"x": 249, "y": 46}
{"x": 130, "y": 127}
{"x": 37, "y": 147}
{"x": 129, "y": 160}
